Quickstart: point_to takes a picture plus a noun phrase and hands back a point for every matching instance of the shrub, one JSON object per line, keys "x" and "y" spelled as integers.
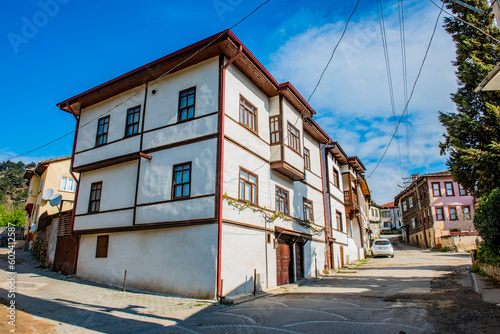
{"x": 486, "y": 255}
{"x": 487, "y": 222}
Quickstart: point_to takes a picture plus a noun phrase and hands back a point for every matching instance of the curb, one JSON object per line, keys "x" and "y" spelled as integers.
{"x": 474, "y": 283}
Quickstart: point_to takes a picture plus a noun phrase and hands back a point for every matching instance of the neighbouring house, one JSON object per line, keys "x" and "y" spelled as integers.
{"x": 346, "y": 203}
{"x": 374, "y": 220}
{"x": 437, "y": 212}
{"x": 390, "y": 218}
{"x": 49, "y": 205}
{"x": 201, "y": 175}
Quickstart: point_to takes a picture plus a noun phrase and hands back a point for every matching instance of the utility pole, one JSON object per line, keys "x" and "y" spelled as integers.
{"x": 420, "y": 214}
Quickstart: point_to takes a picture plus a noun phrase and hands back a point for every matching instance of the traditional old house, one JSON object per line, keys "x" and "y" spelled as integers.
{"x": 49, "y": 205}
{"x": 346, "y": 207}
{"x": 390, "y": 220}
{"x": 437, "y": 212}
{"x": 200, "y": 165}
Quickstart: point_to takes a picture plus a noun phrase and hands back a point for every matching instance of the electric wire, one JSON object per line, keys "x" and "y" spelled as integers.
{"x": 405, "y": 85}
{"x": 466, "y": 22}
{"x": 411, "y": 93}
{"x": 140, "y": 91}
{"x": 388, "y": 70}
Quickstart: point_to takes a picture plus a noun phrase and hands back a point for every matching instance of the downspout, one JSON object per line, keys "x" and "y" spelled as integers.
{"x": 221, "y": 170}
{"x": 75, "y": 260}
{"x": 325, "y": 209}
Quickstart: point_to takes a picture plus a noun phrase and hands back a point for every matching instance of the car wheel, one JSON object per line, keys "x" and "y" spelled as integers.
{"x": 392, "y": 255}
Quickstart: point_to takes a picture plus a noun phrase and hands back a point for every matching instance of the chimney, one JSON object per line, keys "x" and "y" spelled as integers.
{"x": 414, "y": 177}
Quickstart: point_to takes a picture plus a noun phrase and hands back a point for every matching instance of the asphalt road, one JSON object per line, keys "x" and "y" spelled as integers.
{"x": 378, "y": 298}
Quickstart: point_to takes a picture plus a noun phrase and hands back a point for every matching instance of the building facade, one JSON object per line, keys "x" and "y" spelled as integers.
{"x": 201, "y": 162}
{"x": 435, "y": 209}
{"x": 51, "y": 194}
{"x": 390, "y": 218}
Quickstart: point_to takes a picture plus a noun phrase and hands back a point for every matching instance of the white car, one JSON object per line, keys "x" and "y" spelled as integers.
{"x": 382, "y": 247}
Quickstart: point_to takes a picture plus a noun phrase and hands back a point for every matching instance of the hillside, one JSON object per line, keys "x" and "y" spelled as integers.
{"x": 13, "y": 189}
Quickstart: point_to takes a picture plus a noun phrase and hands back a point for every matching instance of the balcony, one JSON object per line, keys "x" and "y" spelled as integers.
{"x": 287, "y": 162}
{"x": 351, "y": 203}
{"x": 350, "y": 197}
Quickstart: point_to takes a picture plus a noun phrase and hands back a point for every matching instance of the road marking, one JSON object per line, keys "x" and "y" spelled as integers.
{"x": 355, "y": 308}
{"x": 290, "y": 308}
{"x": 253, "y": 326}
{"x": 236, "y": 315}
{"x": 352, "y": 322}
{"x": 270, "y": 301}
{"x": 186, "y": 329}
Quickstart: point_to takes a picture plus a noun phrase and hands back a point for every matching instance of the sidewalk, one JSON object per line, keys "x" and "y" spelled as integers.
{"x": 487, "y": 287}
{"x": 73, "y": 304}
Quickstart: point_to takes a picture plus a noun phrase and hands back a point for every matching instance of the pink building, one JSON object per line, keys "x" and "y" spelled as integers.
{"x": 437, "y": 212}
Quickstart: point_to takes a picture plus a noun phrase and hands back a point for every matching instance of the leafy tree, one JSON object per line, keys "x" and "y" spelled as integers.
{"x": 487, "y": 221}
{"x": 16, "y": 218}
{"x": 473, "y": 131}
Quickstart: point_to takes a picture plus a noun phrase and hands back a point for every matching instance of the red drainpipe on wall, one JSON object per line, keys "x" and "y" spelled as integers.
{"x": 323, "y": 192}
{"x": 221, "y": 164}
{"x": 77, "y": 188}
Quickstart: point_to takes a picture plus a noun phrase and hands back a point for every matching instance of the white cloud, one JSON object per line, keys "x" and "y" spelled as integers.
{"x": 352, "y": 101}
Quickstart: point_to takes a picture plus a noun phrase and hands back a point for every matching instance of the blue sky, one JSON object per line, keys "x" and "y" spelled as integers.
{"x": 55, "y": 49}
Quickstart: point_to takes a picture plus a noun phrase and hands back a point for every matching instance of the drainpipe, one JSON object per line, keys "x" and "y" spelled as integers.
{"x": 221, "y": 166}
{"x": 325, "y": 209}
{"x": 75, "y": 260}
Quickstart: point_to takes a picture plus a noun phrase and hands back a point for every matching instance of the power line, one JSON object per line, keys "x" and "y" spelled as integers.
{"x": 333, "y": 52}
{"x": 317, "y": 84}
{"x": 141, "y": 90}
{"x": 388, "y": 71}
{"x": 412, "y": 90}
{"x": 472, "y": 25}
{"x": 405, "y": 82}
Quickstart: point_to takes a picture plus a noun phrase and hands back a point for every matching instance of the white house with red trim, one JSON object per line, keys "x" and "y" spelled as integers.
{"x": 201, "y": 175}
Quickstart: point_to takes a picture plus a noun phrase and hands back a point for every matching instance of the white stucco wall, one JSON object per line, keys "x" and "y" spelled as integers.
{"x": 179, "y": 261}
{"x": 118, "y": 105}
{"x": 118, "y": 187}
{"x": 243, "y": 250}
{"x": 162, "y": 106}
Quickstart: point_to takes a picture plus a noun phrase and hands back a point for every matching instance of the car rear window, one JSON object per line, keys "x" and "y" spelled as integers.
{"x": 382, "y": 242}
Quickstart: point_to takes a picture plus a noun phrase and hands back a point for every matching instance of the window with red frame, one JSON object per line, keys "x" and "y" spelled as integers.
{"x": 439, "y": 213}
{"x": 436, "y": 189}
{"x": 453, "y": 213}
{"x": 449, "y": 189}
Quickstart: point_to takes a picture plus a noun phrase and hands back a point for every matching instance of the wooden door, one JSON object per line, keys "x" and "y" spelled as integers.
{"x": 341, "y": 256}
{"x": 65, "y": 255}
{"x": 299, "y": 259}
{"x": 284, "y": 262}
{"x": 332, "y": 256}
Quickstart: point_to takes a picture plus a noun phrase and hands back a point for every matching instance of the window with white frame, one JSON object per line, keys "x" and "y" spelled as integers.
{"x": 404, "y": 206}
{"x": 68, "y": 184}
{"x": 412, "y": 222}
{"x": 410, "y": 202}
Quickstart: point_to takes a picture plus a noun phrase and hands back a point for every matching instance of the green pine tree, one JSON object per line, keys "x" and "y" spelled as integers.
{"x": 473, "y": 131}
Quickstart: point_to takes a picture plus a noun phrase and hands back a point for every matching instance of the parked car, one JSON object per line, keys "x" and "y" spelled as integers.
{"x": 382, "y": 247}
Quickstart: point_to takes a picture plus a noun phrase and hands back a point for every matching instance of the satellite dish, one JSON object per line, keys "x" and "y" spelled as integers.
{"x": 47, "y": 194}
{"x": 54, "y": 201}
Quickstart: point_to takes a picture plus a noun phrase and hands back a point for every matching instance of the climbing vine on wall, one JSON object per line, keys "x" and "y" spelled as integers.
{"x": 270, "y": 216}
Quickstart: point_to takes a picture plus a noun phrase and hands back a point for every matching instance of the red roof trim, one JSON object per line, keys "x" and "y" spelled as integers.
{"x": 153, "y": 63}
{"x": 189, "y": 48}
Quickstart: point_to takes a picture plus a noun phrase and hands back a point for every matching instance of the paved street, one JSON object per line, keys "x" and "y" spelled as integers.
{"x": 386, "y": 295}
